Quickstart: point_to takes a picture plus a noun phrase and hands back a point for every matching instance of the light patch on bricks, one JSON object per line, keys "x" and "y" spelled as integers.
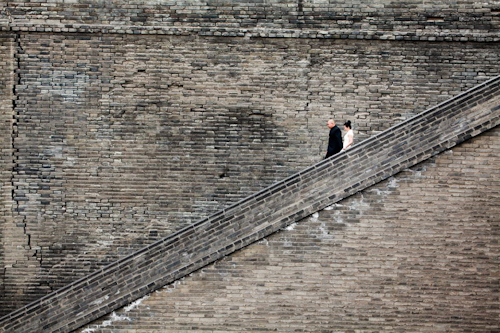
{"x": 358, "y": 204}
{"x": 325, "y": 234}
{"x": 135, "y": 304}
{"x": 55, "y": 151}
{"x": 74, "y": 89}
{"x": 69, "y": 161}
{"x": 115, "y": 317}
{"x": 174, "y": 285}
{"x": 337, "y": 217}
{"x": 100, "y": 300}
{"x": 380, "y": 192}
{"x": 106, "y": 242}
{"x": 264, "y": 241}
{"x": 171, "y": 287}
{"x": 314, "y": 217}
{"x": 291, "y": 227}
{"x": 393, "y": 183}
{"x": 186, "y": 257}
{"x": 335, "y": 205}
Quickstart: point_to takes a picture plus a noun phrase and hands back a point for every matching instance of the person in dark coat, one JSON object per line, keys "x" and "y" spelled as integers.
{"x": 335, "y": 139}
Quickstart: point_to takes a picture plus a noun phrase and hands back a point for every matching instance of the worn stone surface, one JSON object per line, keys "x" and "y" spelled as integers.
{"x": 123, "y": 139}
{"x": 264, "y": 213}
{"x": 418, "y": 252}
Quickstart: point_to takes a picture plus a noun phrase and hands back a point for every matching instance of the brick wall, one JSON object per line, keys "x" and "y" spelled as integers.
{"x": 121, "y": 139}
{"x": 418, "y": 252}
{"x": 18, "y": 254}
{"x": 6, "y": 154}
{"x": 268, "y": 211}
{"x": 126, "y": 139}
{"x": 411, "y": 19}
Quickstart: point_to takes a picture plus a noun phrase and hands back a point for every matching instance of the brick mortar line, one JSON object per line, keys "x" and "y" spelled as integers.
{"x": 269, "y": 32}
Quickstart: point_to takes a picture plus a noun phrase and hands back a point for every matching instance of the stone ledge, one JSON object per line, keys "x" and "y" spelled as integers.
{"x": 443, "y": 36}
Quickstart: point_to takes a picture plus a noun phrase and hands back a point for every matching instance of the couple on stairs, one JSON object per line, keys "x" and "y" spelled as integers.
{"x": 335, "y": 143}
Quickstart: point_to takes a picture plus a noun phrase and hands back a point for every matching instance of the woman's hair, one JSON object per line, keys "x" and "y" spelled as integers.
{"x": 348, "y": 124}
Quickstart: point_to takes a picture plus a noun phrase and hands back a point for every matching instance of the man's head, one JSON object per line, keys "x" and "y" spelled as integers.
{"x": 331, "y": 123}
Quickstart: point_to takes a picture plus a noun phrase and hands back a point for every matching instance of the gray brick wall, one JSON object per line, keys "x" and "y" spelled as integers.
{"x": 6, "y": 153}
{"x": 16, "y": 251}
{"x": 121, "y": 139}
{"x": 408, "y": 19}
{"x": 126, "y": 139}
{"x": 415, "y": 253}
{"x": 264, "y": 213}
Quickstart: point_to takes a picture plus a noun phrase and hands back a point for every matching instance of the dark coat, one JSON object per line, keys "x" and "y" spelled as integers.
{"x": 334, "y": 141}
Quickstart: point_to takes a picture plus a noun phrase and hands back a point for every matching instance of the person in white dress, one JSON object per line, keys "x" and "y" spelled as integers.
{"x": 349, "y": 136}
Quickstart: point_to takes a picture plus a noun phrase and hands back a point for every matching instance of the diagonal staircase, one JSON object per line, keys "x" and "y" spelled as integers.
{"x": 263, "y": 213}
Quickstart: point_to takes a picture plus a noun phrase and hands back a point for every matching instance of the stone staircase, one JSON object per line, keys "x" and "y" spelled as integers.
{"x": 263, "y": 213}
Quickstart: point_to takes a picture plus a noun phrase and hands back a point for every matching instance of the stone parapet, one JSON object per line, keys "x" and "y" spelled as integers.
{"x": 407, "y": 19}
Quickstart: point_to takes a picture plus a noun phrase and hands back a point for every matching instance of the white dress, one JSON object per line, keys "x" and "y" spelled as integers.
{"x": 348, "y": 138}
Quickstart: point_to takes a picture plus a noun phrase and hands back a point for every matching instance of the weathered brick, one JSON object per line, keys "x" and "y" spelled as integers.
{"x": 120, "y": 140}
{"x": 141, "y": 273}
